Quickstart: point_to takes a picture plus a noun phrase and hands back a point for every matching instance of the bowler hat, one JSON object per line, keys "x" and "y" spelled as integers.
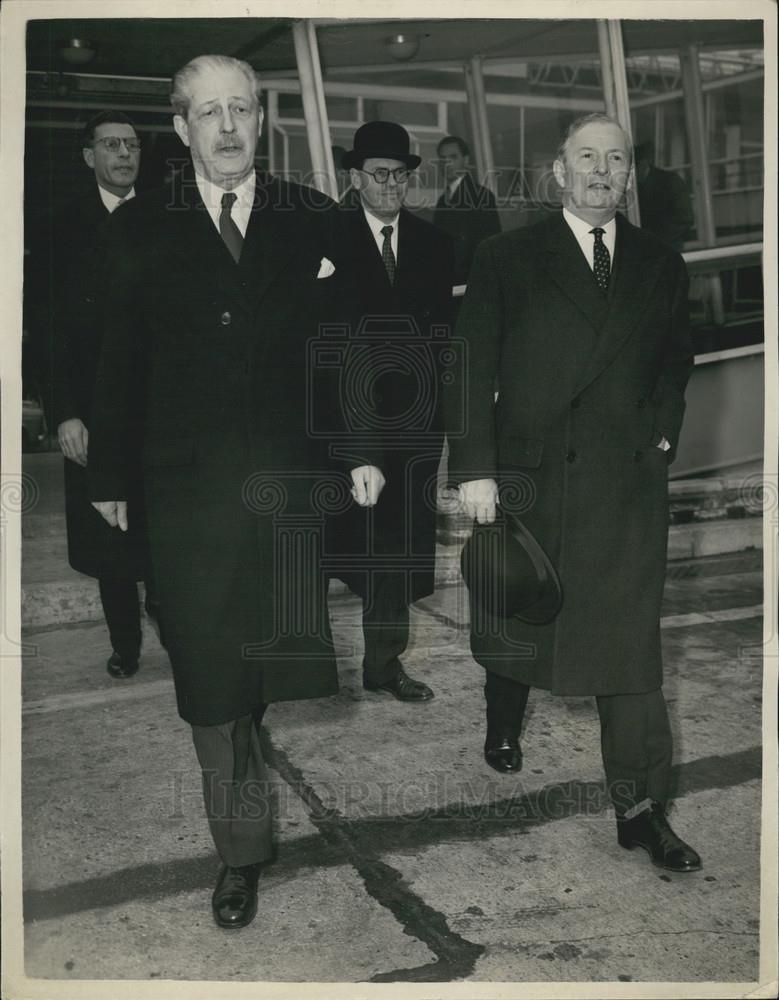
{"x": 508, "y": 573}
{"x": 385, "y": 139}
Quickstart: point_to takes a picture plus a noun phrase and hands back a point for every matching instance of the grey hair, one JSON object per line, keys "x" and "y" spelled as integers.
{"x": 579, "y": 123}
{"x": 180, "y": 97}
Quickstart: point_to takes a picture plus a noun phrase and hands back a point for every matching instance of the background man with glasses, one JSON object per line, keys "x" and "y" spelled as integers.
{"x": 400, "y": 270}
{"x": 70, "y": 270}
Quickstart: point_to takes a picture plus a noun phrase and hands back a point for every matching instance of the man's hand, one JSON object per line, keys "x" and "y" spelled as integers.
{"x": 113, "y": 511}
{"x": 368, "y": 484}
{"x": 478, "y": 499}
{"x": 73, "y": 440}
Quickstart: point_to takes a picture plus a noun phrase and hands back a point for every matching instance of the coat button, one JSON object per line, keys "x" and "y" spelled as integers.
{"x": 576, "y": 403}
{"x": 571, "y": 456}
{"x": 641, "y": 403}
{"x": 638, "y": 455}
{"x": 225, "y": 319}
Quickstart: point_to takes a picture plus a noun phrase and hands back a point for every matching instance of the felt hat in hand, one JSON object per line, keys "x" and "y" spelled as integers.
{"x": 508, "y": 573}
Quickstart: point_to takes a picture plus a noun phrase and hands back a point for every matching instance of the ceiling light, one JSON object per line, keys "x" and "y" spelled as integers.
{"x": 76, "y": 51}
{"x": 402, "y": 47}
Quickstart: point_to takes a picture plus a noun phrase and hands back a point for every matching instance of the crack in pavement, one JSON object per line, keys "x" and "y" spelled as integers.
{"x": 455, "y": 955}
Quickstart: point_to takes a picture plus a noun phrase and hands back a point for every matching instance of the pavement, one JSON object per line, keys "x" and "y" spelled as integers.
{"x": 402, "y": 857}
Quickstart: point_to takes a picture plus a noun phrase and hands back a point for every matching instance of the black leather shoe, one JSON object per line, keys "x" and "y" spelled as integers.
{"x": 403, "y": 687}
{"x": 650, "y": 829}
{"x": 121, "y": 666}
{"x": 503, "y": 754}
{"x": 234, "y": 902}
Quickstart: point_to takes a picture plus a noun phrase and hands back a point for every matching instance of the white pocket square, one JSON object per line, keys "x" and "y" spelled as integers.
{"x": 326, "y": 268}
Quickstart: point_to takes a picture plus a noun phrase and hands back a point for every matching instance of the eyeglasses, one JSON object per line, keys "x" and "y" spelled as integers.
{"x": 382, "y": 174}
{"x": 113, "y": 144}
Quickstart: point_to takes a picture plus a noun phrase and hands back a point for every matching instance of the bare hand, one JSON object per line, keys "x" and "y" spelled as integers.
{"x": 113, "y": 511}
{"x": 73, "y": 440}
{"x": 478, "y": 499}
{"x": 368, "y": 484}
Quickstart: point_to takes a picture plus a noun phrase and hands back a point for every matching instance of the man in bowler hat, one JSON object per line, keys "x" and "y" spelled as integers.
{"x": 581, "y": 321}
{"x": 400, "y": 270}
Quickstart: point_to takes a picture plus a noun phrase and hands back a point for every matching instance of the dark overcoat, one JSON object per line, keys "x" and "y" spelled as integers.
{"x": 587, "y": 385}
{"x": 391, "y": 394}
{"x": 469, "y": 215}
{"x": 75, "y": 330}
{"x": 205, "y": 371}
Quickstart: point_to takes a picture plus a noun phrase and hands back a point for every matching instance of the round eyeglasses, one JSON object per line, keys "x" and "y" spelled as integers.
{"x": 382, "y": 174}
{"x": 113, "y": 143}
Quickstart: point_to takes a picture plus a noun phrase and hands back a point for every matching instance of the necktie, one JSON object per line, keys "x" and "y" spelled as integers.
{"x": 601, "y": 259}
{"x": 386, "y": 253}
{"x": 228, "y": 230}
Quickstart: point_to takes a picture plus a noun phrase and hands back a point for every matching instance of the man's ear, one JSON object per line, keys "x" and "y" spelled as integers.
{"x": 182, "y": 129}
{"x": 631, "y": 178}
{"x": 260, "y": 119}
{"x": 89, "y": 156}
{"x": 356, "y": 178}
{"x": 558, "y": 168}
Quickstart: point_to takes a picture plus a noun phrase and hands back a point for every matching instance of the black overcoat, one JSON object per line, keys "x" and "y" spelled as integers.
{"x": 216, "y": 353}
{"x": 75, "y": 329}
{"x": 470, "y": 216}
{"x": 391, "y": 396}
{"x": 587, "y": 385}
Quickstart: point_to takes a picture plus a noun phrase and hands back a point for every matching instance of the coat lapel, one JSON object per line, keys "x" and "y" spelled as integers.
{"x": 272, "y": 237}
{"x": 634, "y": 276}
{"x": 564, "y": 261}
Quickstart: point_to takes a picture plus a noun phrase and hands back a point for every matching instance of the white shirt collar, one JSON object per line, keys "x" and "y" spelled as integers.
{"x": 453, "y": 185}
{"x": 242, "y": 206}
{"x": 111, "y": 200}
{"x": 377, "y": 225}
{"x": 583, "y": 232}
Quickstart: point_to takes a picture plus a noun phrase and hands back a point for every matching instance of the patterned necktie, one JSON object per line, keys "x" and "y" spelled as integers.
{"x": 228, "y": 230}
{"x": 386, "y": 253}
{"x": 601, "y": 259}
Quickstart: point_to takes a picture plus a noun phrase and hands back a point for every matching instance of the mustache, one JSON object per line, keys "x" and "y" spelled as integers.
{"x": 229, "y": 144}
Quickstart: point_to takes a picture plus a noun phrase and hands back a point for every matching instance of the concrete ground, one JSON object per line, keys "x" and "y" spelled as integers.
{"x": 402, "y": 857}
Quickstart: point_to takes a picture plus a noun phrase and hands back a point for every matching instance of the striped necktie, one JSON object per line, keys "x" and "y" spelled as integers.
{"x": 386, "y": 253}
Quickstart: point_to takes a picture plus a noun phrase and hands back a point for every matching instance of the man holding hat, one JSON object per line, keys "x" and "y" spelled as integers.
{"x": 400, "y": 269}
{"x": 581, "y": 322}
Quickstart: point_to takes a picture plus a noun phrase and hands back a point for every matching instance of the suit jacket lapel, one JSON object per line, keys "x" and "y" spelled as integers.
{"x": 272, "y": 237}
{"x": 634, "y": 275}
{"x": 566, "y": 265}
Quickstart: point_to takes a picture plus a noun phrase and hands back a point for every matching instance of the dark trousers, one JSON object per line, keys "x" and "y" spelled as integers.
{"x": 385, "y": 629}
{"x": 123, "y": 614}
{"x": 236, "y": 789}
{"x": 636, "y": 742}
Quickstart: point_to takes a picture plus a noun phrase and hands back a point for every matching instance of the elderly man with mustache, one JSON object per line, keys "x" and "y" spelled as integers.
{"x": 218, "y": 283}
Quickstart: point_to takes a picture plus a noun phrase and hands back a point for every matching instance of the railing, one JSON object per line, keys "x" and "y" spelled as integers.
{"x": 699, "y": 261}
